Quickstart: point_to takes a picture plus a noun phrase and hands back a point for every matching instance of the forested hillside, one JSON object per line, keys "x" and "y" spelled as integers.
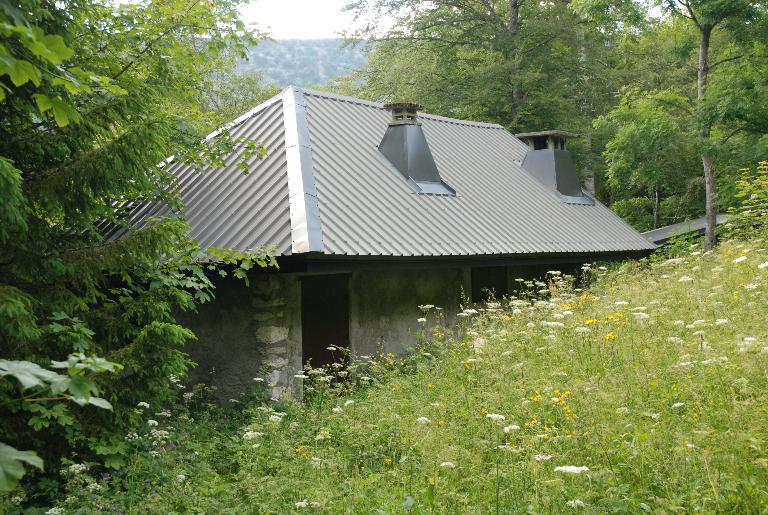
{"x": 302, "y": 62}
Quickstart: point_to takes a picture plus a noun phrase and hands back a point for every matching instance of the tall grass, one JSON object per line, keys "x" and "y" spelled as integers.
{"x": 650, "y": 388}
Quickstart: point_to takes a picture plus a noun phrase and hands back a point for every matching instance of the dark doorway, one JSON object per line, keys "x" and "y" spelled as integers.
{"x": 324, "y": 318}
{"x": 489, "y": 282}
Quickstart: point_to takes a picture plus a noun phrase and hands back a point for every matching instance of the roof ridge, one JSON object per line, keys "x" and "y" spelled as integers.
{"x": 380, "y": 105}
{"x": 304, "y": 210}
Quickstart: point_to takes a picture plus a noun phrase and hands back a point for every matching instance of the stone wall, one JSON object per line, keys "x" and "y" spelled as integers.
{"x": 384, "y": 305}
{"x": 248, "y": 332}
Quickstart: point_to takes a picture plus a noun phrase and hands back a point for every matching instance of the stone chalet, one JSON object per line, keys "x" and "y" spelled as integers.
{"x": 375, "y": 209}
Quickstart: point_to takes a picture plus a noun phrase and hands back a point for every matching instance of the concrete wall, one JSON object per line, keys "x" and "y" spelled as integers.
{"x": 245, "y": 332}
{"x": 384, "y": 305}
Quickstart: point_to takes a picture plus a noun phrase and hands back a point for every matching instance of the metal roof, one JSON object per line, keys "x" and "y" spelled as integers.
{"x": 325, "y": 187}
{"x": 697, "y": 225}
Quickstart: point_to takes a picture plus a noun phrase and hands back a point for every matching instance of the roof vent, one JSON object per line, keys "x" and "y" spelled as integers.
{"x": 551, "y": 164}
{"x": 405, "y": 146}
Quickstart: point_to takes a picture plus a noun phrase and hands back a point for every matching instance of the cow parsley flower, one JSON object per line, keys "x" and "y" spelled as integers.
{"x": 685, "y": 279}
{"x": 678, "y": 405}
{"x": 275, "y": 418}
{"x": 301, "y": 504}
{"x": 575, "y": 503}
{"x": 494, "y": 416}
{"x": 143, "y": 405}
{"x": 337, "y": 409}
{"x": 349, "y": 402}
{"x": 571, "y": 469}
{"x": 448, "y": 465}
{"x": 513, "y": 427}
{"x": 762, "y": 266}
{"x": 542, "y": 457}
{"x": 152, "y": 423}
{"x": 740, "y": 259}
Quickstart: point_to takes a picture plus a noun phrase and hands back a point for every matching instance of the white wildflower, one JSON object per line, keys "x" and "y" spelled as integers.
{"x": 685, "y": 279}
{"x": 181, "y": 478}
{"x": 301, "y": 376}
{"x": 337, "y": 409}
{"x": 55, "y": 511}
{"x": 552, "y": 324}
{"x": 301, "y": 504}
{"x": 258, "y": 379}
{"x": 621, "y": 303}
{"x": 143, "y": 405}
{"x": 421, "y": 320}
{"x": 640, "y": 315}
{"x": 349, "y": 402}
{"x": 250, "y": 435}
{"x": 77, "y": 468}
{"x": 152, "y": 423}
{"x": 623, "y": 410}
{"x": 530, "y": 324}
{"x": 542, "y": 457}
{"x": 751, "y": 286}
{"x": 678, "y": 322}
{"x": 740, "y": 259}
{"x": 762, "y": 266}
{"x": 675, "y": 339}
{"x": 721, "y": 321}
{"x": 582, "y": 330}
{"x": 494, "y": 416}
{"x": 678, "y": 405}
{"x": 513, "y": 427}
{"x": 426, "y": 307}
{"x": 423, "y": 420}
{"x": 571, "y": 469}
{"x": 575, "y": 503}
{"x": 448, "y": 465}
{"x": 275, "y": 418}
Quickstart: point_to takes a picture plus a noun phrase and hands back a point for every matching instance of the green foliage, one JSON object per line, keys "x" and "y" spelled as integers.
{"x": 751, "y": 216}
{"x": 93, "y": 96}
{"x": 46, "y": 385}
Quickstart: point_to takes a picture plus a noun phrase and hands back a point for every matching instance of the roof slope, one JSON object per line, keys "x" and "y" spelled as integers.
{"x": 325, "y": 187}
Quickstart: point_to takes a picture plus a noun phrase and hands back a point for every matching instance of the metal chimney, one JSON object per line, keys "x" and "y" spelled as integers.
{"x": 406, "y": 147}
{"x": 551, "y": 164}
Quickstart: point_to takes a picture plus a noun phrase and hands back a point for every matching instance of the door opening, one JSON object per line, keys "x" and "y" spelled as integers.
{"x": 324, "y": 318}
{"x": 489, "y": 283}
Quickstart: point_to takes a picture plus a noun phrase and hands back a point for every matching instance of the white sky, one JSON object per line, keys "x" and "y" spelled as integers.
{"x": 298, "y": 19}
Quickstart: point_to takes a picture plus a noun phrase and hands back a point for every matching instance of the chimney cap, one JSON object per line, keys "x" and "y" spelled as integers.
{"x": 403, "y": 113}
{"x": 403, "y": 106}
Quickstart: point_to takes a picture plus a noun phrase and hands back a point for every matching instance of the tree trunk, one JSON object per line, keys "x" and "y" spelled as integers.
{"x": 710, "y": 185}
{"x": 588, "y": 174}
{"x": 513, "y": 27}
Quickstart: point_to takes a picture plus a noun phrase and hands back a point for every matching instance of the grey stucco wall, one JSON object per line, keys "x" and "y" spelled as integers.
{"x": 245, "y": 332}
{"x": 384, "y": 305}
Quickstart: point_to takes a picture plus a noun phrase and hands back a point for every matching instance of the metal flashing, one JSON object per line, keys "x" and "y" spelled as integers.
{"x": 306, "y": 229}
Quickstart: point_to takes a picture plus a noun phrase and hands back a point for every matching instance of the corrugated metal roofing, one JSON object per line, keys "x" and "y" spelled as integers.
{"x": 227, "y": 208}
{"x": 363, "y": 206}
{"x": 662, "y": 234}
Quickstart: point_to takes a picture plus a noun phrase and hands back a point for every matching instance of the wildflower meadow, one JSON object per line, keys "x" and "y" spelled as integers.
{"x": 645, "y": 392}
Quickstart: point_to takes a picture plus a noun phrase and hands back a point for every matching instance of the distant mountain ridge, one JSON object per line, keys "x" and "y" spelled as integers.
{"x": 302, "y": 62}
